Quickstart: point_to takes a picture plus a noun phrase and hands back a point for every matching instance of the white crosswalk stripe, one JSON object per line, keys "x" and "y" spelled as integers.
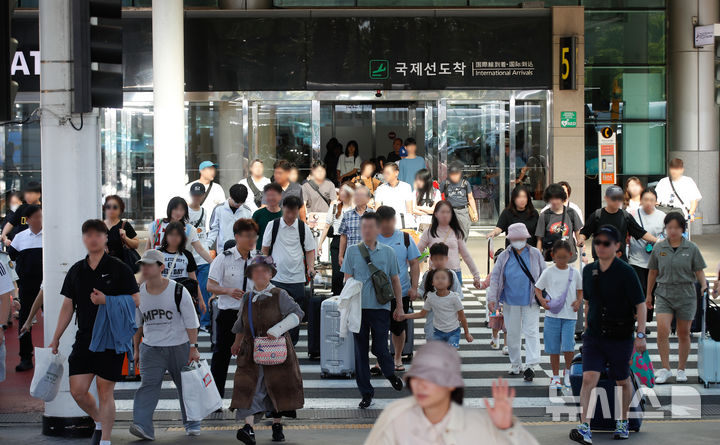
{"x": 481, "y": 365}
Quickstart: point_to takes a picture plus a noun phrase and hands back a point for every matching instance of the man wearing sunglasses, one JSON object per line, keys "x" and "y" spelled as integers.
{"x": 614, "y": 295}
{"x": 613, "y": 215}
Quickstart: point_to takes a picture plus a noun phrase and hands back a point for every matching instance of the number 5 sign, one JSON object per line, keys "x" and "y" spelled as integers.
{"x": 568, "y": 56}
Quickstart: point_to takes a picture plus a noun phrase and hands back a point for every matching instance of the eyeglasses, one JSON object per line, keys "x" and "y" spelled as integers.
{"x": 111, "y": 207}
{"x": 604, "y": 243}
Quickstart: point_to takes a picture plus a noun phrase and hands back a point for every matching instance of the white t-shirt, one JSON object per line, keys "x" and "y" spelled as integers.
{"x": 178, "y": 264}
{"x": 333, "y": 220}
{"x": 686, "y": 189}
{"x": 554, "y": 281}
{"x": 250, "y": 201}
{"x": 287, "y": 251}
{"x": 157, "y": 314}
{"x": 397, "y": 198}
{"x": 426, "y": 219}
{"x": 198, "y": 219}
{"x": 6, "y": 276}
{"x": 348, "y": 163}
{"x": 445, "y": 310}
{"x": 214, "y": 198}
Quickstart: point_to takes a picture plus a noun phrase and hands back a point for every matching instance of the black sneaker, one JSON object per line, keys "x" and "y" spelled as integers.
{"x": 25, "y": 365}
{"x": 278, "y": 435}
{"x": 529, "y": 374}
{"x": 246, "y": 435}
{"x": 96, "y": 437}
{"x": 375, "y": 371}
{"x": 365, "y": 402}
{"x": 396, "y": 382}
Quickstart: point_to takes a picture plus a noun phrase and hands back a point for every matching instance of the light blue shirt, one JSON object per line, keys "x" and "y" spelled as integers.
{"x": 383, "y": 257}
{"x": 403, "y": 254}
{"x": 408, "y": 168}
{"x": 515, "y": 292}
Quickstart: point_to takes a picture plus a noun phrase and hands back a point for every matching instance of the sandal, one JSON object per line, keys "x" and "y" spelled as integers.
{"x": 400, "y": 368}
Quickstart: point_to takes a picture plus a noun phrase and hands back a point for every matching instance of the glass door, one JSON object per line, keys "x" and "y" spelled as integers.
{"x": 475, "y": 134}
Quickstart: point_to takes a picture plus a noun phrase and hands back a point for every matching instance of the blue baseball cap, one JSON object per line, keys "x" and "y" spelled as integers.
{"x": 205, "y": 164}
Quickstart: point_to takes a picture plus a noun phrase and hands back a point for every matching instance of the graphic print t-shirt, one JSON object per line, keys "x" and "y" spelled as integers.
{"x": 550, "y": 222}
{"x": 159, "y": 317}
{"x": 184, "y": 264}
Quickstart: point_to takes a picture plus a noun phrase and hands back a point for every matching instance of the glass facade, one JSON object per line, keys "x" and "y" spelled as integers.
{"x": 19, "y": 151}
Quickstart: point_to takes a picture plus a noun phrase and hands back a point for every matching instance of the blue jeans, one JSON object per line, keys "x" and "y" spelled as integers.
{"x": 377, "y": 322}
{"x": 202, "y": 276}
{"x": 458, "y": 274}
{"x": 452, "y": 338}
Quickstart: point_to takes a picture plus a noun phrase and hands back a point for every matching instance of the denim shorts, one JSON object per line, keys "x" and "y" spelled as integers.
{"x": 452, "y": 338}
{"x": 559, "y": 335}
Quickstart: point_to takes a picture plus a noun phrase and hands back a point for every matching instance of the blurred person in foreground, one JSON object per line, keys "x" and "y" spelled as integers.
{"x": 435, "y": 414}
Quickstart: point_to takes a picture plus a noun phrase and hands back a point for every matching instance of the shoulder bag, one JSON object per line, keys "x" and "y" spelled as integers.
{"x": 315, "y": 187}
{"x": 556, "y": 305}
{"x": 257, "y": 194}
{"x": 384, "y": 292}
{"x": 266, "y": 351}
{"x": 668, "y": 208}
{"x": 130, "y": 256}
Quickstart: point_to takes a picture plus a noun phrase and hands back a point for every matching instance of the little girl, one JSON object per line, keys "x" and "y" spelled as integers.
{"x": 446, "y": 306}
{"x": 563, "y": 287}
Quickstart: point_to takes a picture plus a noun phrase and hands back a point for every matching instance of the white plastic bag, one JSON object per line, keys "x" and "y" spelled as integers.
{"x": 48, "y": 372}
{"x": 200, "y": 395}
{"x": 3, "y": 353}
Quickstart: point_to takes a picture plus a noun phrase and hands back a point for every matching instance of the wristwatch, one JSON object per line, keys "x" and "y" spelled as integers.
{"x": 194, "y": 345}
{"x": 640, "y": 335}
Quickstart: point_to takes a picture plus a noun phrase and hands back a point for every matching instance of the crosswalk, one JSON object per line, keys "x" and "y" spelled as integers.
{"x": 480, "y": 365}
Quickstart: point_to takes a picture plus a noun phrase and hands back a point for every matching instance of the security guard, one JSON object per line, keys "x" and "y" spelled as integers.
{"x": 227, "y": 279}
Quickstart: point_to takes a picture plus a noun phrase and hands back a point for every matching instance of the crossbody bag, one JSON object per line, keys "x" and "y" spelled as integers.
{"x": 266, "y": 351}
{"x": 527, "y": 273}
{"x": 384, "y": 292}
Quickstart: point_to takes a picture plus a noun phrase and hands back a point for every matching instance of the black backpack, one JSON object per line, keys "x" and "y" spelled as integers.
{"x": 178, "y": 296}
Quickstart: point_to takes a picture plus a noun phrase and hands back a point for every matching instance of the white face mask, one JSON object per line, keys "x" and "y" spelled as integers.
{"x": 518, "y": 244}
{"x": 14, "y": 207}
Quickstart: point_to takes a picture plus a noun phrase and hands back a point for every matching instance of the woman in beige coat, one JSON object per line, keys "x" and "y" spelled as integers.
{"x": 434, "y": 415}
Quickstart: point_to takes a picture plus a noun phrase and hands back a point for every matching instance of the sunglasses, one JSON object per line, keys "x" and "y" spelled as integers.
{"x": 111, "y": 207}
{"x": 604, "y": 243}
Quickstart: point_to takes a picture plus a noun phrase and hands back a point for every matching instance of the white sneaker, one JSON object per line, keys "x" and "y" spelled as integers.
{"x": 505, "y": 350}
{"x": 495, "y": 343}
{"x": 192, "y": 432}
{"x": 515, "y": 370}
{"x": 680, "y": 377}
{"x": 566, "y": 378}
{"x": 555, "y": 383}
{"x": 662, "y": 376}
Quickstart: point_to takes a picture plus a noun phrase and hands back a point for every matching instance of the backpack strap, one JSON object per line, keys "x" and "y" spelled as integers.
{"x": 406, "y": 238}
{"x": 316, "y": 188}
{"x": 158, "y": 227}
{"x": 275, "y": 227}
{"x": 178, "y": 295}
{"x": 301, "y": 230}
{"x": 207, "y": 193}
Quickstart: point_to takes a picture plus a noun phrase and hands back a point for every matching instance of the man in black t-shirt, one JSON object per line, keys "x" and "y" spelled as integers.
{"x": 86, "y": 285}
{"x": 613, "y": 215}
{"x": 31, "y": 196}
{"x": 614, "y": 295}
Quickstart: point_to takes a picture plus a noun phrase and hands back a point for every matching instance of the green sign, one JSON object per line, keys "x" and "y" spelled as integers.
{"x": 379, "y": 69}
{"x": 568, "y": 119}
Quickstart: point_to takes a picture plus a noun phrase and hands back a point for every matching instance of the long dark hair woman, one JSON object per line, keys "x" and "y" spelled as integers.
{"x": 177, "y": 211}
{"x": 348, "y": 165}
{"x": 445, "y": 228}
{"x": 426, "y": 197}
{"x": 334, "y": 217}
{"x": 121, "y": 234}
{"x": 519, "y": 209}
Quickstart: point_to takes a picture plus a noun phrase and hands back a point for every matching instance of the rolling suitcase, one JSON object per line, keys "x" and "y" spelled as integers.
{"x": 600, "y": 420}
{"x": 708, "y": 353}
{"x": 409, "y": 336}
{"x": 337, "y": 354}
{"x": 313, "y": 326}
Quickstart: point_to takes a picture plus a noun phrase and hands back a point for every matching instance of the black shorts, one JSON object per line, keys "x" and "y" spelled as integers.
{"x": 398, "y": 327}
{"x": 599, "y": 354}
{"x": 107, "y": 364}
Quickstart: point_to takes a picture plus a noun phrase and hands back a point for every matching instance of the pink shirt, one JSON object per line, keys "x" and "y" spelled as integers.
{"x": 456, "y": 248}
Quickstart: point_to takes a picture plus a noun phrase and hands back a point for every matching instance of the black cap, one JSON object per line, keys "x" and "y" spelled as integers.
{"x": 455, "y": 167}
{"x": 197, "y": 189}
{"x": 610, "y": 231}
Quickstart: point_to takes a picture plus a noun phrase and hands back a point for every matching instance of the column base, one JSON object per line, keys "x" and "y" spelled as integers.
{"x": 82, "y": 427}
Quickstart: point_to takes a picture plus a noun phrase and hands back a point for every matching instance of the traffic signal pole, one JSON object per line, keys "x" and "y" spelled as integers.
{"x": 71, "y": 193}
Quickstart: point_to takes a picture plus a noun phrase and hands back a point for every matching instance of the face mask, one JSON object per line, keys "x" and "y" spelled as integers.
{"x": 518, "y": 244}
{"x": 14, "y": 207}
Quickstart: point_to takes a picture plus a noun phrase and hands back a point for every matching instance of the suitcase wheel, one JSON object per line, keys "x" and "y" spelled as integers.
{"x": 323, "y": 375}
{"x": 637, "y": 430}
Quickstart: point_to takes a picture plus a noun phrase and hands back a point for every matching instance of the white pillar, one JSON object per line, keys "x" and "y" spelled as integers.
{"x": 169, "y": 105}
{"x": 692, "y": 113}
{"x": 71, "y": 191}
{"x": 229, "y": 145}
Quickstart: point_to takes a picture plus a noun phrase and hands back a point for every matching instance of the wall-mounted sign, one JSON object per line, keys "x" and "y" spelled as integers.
{"x": 607, "y": 144}
{"x": 568, "y": 119}
{"x": 568, "y": 61}
{"x": 705, "y": 35}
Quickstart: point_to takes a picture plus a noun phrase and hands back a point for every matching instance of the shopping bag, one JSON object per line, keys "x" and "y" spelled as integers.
{"x": 3, "y": 353}
{"x": 642, "y": 367}
{"x": 48, "y": 371}
{"x": 199, "y": 393}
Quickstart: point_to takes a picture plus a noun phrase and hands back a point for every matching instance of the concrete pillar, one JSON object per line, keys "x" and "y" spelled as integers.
{"x": 71, "y": 193}
{"x": 229, "y": 145}
{"x": 568, "y": 144}
{"x": 169, "y": 102}
{"x": 692, "y": 113}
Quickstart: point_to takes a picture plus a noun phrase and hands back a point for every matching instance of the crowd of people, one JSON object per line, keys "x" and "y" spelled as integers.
{"x": 238, "y": 267}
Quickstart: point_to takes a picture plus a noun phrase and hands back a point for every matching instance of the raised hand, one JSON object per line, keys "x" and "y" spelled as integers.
{"x": 501, "y": 413}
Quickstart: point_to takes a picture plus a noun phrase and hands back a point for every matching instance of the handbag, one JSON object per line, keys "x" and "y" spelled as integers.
{"x": 266, "y": 350}
{"x": 669, "y": 209}
{"x": 130, "y": 256}
{"x": 497, "y": 322}
{"x": 384, "y": 292}
{"x": 642, "y": 367}
{"x": 527, "y": 273}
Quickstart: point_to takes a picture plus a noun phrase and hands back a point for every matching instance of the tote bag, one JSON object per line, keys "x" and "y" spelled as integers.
{"x": 199, "y": 392}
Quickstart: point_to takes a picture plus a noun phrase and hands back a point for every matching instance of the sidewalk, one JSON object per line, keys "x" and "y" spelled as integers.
{"x": 697, "y": 432}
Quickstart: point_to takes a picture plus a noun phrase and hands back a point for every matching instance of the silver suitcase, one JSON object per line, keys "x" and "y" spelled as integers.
{"x": 337, "y": 354}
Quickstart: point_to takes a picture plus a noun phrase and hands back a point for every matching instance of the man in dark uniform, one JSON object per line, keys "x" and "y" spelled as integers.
{"x": 86, "y": 284}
